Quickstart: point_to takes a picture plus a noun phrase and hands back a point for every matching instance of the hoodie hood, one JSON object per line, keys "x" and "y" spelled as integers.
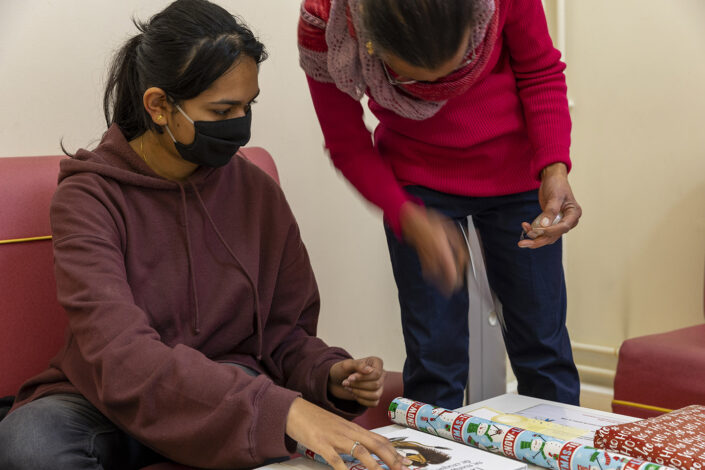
{"x": 114, "y": 158}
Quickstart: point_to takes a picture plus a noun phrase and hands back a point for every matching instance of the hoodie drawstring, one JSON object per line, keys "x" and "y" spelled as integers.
{"x": 196, "y": 321}
{"x": 239, "y": 263}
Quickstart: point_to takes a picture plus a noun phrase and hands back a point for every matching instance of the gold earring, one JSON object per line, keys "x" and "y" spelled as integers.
{"x": 159, "y": 118}
{"x": 370, "y": 48}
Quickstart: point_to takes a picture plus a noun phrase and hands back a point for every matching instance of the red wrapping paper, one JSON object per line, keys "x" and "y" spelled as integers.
{"x": 675, "y": 439}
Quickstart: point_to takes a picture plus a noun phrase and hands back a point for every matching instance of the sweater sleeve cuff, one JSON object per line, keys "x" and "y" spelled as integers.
{"x": 548, "y": 156}
{"x": 393, "y": 217}
{"x": 392, "y": 211}
{"x": 273, "y": 406}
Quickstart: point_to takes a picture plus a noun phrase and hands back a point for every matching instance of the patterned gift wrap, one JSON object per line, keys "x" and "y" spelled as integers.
{"x": 676, "y": 439}
{"x": 513, "y": 442}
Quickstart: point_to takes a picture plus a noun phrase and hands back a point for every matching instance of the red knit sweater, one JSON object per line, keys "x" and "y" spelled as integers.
{"x": 493, "y": 140}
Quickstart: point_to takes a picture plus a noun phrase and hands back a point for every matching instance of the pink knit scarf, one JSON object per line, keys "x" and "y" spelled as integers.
{"x": 354, "y": 71}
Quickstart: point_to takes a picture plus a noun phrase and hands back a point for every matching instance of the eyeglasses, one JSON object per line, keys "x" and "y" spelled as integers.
{"x": 393, "y": 81}
{"x": 470, "y": 56}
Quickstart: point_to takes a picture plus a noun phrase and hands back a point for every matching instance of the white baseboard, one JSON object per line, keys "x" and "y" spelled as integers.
{"x": 596, "y": 397}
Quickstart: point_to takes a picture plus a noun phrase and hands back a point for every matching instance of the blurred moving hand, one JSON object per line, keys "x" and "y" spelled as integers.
{"x": 441, "y": 247}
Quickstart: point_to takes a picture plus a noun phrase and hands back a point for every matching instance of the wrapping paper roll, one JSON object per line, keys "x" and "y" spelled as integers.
{"x": 517, "y": 443}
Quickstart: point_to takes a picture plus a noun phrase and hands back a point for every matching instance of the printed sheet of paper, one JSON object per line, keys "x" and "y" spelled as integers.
{"x": 427, "y": 452}
{"x": 436, "y": 453}
{"x": 543, "y": 426}
{"x": 568, "y": 417}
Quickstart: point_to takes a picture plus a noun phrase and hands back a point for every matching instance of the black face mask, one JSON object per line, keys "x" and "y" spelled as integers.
{"x": 214, "y": 142}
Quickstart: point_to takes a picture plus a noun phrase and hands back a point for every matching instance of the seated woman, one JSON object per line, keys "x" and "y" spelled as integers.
{"x": 191, "y": 301}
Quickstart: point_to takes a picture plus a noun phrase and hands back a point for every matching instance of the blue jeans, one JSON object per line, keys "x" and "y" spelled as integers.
{"x": 66, "y": 432}
{"x": 529, "y": 284}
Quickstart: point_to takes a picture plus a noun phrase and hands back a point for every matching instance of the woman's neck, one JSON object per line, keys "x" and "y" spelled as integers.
{"x": 159, "y": 153}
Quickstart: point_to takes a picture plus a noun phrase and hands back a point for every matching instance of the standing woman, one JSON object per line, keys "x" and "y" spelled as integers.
{"x": 191, "y": 301}
{"x": 473, "y": 120}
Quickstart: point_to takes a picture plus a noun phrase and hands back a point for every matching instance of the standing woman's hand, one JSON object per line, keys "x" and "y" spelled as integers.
{"x": 439, "y": 244}
{"x": 555, "y": 196}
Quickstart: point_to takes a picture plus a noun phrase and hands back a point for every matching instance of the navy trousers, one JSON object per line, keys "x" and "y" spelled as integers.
{"x": 530, "y": 285}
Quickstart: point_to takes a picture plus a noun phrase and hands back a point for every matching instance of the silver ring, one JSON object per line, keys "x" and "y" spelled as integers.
{"x": 354, "y": 446}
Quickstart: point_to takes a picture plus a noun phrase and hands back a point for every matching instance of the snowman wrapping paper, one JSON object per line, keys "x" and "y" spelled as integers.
{"x": 517, "y": 443}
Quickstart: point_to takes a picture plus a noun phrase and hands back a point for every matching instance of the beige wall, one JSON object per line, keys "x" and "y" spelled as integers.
{"x": 636, "y": 74}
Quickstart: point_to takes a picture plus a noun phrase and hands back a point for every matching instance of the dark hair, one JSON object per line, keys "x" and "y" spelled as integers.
{"x": 425, "y": 33}
{"x": 182, "y": 50}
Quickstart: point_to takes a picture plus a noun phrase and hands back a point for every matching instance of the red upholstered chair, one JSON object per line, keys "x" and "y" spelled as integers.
{"x": 33, "y": 323}
{"x": 659, "y": 373}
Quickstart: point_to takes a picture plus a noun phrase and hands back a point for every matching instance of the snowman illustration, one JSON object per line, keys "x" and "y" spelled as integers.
{"x": 552, "y": 449}
{"x": 440, "y": 422}
{"x": 393, "y": 410}
{"x": 492, "y": 432}
{"x": 548, "y": 450}
{"x": 394, "y": 406}
{"x": 594, "y": 461}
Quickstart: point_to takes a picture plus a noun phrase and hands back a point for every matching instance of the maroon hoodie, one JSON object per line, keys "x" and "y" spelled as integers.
{"x": 162, "y": 283}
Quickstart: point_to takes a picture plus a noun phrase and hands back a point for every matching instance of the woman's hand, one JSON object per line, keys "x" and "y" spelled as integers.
{"x": 555, "y": 196}
{"x": 330, "y": 435}
{"x": 361, "y": 380}
{"x": 439, "y": 244}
